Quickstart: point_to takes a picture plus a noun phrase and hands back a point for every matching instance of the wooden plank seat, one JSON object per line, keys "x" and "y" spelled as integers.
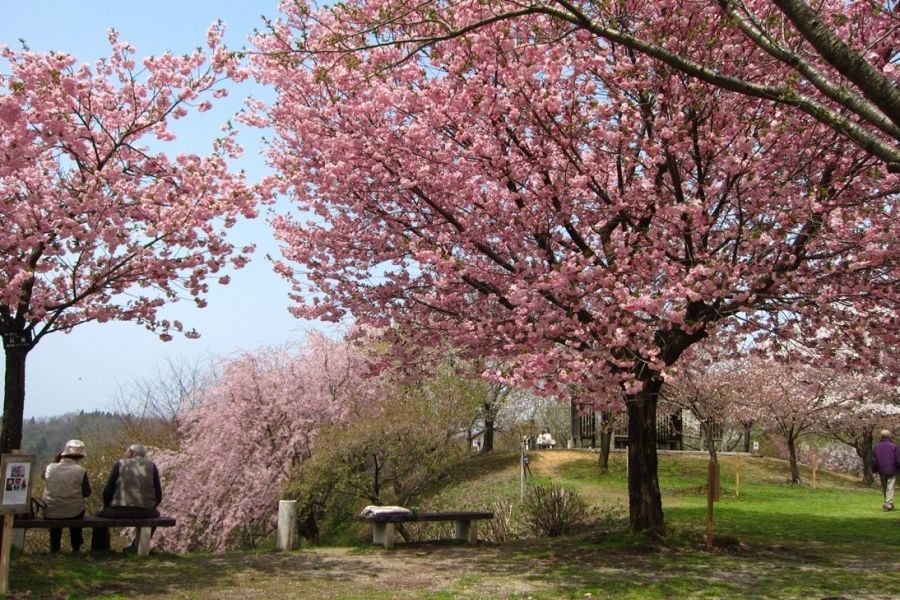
{"x": 384, "y": 524}
{"x": 143, "y": 526}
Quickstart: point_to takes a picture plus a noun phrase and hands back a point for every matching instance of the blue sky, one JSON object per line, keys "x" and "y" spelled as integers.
{"x": 87, "y": 368}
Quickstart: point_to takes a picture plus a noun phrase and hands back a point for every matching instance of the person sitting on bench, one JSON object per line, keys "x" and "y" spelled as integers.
{"x": 64, "y": 493}
{"x": 133, "y": 491}
{"x": 545, "y": 440}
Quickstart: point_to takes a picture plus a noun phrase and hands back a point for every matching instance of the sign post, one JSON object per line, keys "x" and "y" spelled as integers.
{"x": 16, "y": 471}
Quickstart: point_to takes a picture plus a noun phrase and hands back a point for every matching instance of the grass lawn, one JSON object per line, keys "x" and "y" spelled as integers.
{"x": 773, "y": 540}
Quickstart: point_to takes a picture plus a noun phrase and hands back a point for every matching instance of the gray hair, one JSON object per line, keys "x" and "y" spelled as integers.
{"x": 137, "y": 449}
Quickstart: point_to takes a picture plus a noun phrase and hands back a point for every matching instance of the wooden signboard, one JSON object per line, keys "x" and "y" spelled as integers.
{"x": 15, "y": 486}
{"x": 16, "y": 471}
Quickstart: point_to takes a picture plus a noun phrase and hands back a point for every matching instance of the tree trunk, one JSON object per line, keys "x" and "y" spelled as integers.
{"x": 14, "y": 396}
{"x": 488, "y": 438}
{"x": 606, "y": 435}
{"x": 575, "y": 422}
{"x": 748, "y": 426}
{"x": 865, "y": 444}
{"x": 678, "y": 429}
{"x": 706, "y": 429}
{"x": 644, "y": 500}
{"x": 792, "y": 455}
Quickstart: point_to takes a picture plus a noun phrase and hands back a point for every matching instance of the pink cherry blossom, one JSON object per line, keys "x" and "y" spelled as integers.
{"x": 540, "y": 197}
{"x": 96, "y": 221}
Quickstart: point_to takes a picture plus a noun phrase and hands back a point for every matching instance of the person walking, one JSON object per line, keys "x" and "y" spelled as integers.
{"x": 886, "y": 462}
{"x": 66, "y": 487}
{"x": 132, "y": 491}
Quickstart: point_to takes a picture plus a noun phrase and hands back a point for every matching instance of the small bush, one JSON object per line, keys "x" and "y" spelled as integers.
{"x": 506, "y": 524}
{"x": 552, "y": 510}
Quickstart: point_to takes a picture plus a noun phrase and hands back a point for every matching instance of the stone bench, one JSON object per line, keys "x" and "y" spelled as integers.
{"x": 144, "y": 526}
{"x": 384, "y": 525}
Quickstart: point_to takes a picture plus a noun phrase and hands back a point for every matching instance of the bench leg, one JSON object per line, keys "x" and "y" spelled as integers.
{"x": 18, "y": 538}
{"x": 383, "y": 533}
{"x": 466, "y": 531}
{"x": 143, "y": 534}
{"x": 389, "y": 535}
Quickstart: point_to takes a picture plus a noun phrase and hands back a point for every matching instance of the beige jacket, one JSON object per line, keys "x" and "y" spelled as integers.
{"x": 65, "y": 489}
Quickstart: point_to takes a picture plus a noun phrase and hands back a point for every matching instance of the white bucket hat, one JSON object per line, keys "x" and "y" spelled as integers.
{"x": 74, "y": 449}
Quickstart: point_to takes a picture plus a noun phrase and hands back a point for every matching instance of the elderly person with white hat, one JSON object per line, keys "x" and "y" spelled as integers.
{"x": 886, "y": 462}
{"x": 66, "y": 487}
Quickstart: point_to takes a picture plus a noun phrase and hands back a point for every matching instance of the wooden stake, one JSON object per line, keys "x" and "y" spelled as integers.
{"x": 737, "y": 477}
{"x": 711, "y": 485}
{"x": 4, "y": 552}
{"x": 5, "y": 545}
{"x": 815, "y": 467}
{"x": 522, "y": 474}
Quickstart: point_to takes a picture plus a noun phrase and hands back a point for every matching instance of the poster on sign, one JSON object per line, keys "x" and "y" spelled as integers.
{"x": 16, "y": 484}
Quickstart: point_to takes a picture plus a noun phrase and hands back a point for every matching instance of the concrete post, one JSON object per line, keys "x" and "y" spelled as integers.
{"x": 287, "y": 524}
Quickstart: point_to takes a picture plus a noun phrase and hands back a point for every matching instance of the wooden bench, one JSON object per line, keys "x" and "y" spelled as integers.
{"x": 384, "y": 525}
{"x": 143, "y": 526}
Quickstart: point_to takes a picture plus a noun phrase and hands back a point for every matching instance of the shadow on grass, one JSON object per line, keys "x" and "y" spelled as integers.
{"x": 164, "y": 575}
{"x": 822, "y": 558}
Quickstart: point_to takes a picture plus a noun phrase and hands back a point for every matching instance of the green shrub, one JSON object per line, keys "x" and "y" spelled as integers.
{"x": 552, "y": 510}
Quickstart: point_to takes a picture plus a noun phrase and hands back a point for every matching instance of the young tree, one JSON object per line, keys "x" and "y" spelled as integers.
{"x": 96, "y": 223}
{"x": 494, "y": 396}
{"x": 870, "y": 405}
{"x": 151, "y": 409}
{"x": 562, "y": 206}
{"x": 390, "y": 452}
{"x": 707, "y": 385}
{"x": 255, "y": 425}
{"x": 790, "y": 399}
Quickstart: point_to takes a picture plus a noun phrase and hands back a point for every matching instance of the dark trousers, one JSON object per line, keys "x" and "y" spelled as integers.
{"x": 100, "y": 537}
{"x": 75, "y": 536}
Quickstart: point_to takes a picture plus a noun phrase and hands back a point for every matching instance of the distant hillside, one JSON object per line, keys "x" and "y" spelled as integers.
{"x": 45, "y": 436}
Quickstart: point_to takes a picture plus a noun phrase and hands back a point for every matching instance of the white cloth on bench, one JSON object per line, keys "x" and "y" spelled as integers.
{"x": 377, "y": 513}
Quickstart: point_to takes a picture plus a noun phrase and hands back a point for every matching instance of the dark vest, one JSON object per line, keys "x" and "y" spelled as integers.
{"x": 135, "y": 484}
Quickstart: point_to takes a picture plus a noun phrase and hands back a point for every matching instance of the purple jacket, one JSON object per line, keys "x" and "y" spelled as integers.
{"x": 886, "y": 458}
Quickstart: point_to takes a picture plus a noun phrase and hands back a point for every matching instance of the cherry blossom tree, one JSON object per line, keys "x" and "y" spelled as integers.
{"x": 252, "y": 429}
{"x": 869, "y": 405}
{"x": 835, "y": 61}
{"x": 704, "y": 386}
{"x": 562, "y": 206}
{"x": 790, "y": 400}
{"x": 97, "y": 224}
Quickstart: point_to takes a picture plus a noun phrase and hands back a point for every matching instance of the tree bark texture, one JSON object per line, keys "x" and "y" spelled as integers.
{"x": 606, "y": 435}
{"x": 792, "y": 454}
{"x": 747, "y": 429}
{"x": 488, "y": 438}
{"x": 13, "y": 398}
{"x": 865, "y": 445}
{"x": 644, "y": 500}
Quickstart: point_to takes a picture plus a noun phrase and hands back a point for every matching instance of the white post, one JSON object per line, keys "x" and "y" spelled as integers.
{"x": 287, "y": 524}
{"x": 143, "y": 536}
